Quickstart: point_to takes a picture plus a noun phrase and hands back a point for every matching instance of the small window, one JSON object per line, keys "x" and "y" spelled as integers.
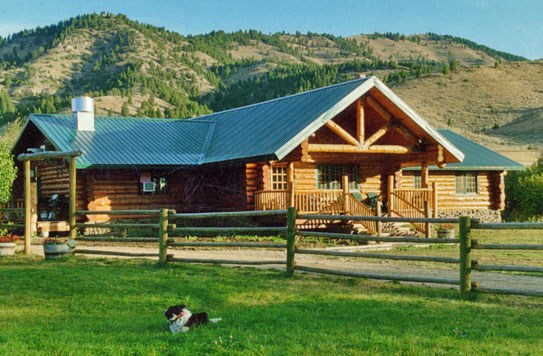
{"x": 153, "y": 184}
{"x": 417, "y": 180}
{"x": 330, "y": 176}
{"x": 279, "y": 178}
{"x": 467, "y": 183}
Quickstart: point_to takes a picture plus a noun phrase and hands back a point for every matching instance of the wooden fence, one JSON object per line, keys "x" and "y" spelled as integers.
{"x": 289, "y": 233}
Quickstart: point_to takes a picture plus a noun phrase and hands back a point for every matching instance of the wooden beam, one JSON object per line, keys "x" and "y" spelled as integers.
{"x": 72, "y": 197}
{"x": 338, "y": 130}
{"x": 378, "y": 134}
{"x": 395, "y": 149}
{"x": 47, "y": 154}
{"x": 360, "y": 121}
{"x": 408, "y": 134}
{"x": 290, "y": 184}
{"x": 379, "y": 108}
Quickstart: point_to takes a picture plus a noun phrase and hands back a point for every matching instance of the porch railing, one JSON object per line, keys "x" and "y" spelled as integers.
{"x": 319, "y": 201}
{"x": 357, "y": 208}
{"x": 271, "y": 200}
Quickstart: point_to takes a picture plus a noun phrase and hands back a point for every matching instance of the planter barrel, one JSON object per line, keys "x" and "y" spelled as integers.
{"x": 55, "y": 251}
{"x": 7, "y": 248}
{"x": 445, "y": 234}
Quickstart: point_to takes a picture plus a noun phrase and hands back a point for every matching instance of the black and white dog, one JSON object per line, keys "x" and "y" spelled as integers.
{"x": 182, "y": 319}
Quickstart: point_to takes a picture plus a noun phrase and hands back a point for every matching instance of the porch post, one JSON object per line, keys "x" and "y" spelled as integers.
{"x": 424, "y": 175}
{"x": 290, "y": 184}
{"x": 72, "y": 186}
{"x": 434, "y": 199}
{"x": 345, "y": 186}
{"x": 390, "y": 197}
{"x": 28, "y": 210}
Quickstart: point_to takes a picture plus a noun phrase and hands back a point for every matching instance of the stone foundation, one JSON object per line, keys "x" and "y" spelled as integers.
{"x": 484, "y": 215}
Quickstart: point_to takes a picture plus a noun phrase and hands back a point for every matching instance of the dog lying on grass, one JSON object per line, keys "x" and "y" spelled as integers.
{"x": 181, "y": 319}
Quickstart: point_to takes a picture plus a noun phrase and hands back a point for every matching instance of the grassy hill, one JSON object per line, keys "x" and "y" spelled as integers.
{"x": 137, "y": 69}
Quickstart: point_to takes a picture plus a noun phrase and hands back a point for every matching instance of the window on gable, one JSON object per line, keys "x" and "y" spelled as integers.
{"x": 279, "y": 178}
{"x": 330, "y": 176}
{"x": 467, "y": 183}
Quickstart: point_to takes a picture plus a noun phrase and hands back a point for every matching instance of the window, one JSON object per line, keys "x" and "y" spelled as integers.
{"x": 467, "y": 183}
{"x": 417, "y": 180}
{"x": 153, "y": 184}
{"x": 279, "y": 178}
{"x": 329, "y": 176}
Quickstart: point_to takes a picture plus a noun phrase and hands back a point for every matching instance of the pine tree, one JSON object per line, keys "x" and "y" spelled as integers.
{"x": 124, "y": 110}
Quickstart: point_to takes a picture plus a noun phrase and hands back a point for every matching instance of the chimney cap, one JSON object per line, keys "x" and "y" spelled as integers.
{"x": 82, "y": 104}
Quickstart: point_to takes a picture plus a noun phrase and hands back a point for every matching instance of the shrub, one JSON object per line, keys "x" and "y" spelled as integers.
{"x": 524, "y": 193}
{"x": 8, "y": 172}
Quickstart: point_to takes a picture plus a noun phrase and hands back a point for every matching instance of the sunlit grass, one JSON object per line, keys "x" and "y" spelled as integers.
{"x": 114, "y": 307}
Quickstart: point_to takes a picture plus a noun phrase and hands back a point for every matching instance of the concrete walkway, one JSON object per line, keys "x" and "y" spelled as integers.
{"x": 486, "y": 279}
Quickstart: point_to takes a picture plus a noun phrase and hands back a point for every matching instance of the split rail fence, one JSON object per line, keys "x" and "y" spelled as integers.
{"x": 466, "y": 244}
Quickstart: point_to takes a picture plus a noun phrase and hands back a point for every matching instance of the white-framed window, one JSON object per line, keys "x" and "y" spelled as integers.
{"x": 279, "y": 178}
{"x": 467, "y": 183}
{"x": 329, "y": 176}
{"x": 417, "y": 180}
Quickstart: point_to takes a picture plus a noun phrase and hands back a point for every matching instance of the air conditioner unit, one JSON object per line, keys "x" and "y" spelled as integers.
{"x": 149, "y": 186}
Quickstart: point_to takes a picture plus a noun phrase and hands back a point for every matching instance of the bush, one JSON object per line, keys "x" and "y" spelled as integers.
{"x": 8, "y": 172}
{"x": 524, "y": 193}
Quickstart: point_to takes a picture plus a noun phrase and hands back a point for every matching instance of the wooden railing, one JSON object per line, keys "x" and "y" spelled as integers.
{"x": 271, "y": 200}
{"x": 357, "y": 208}
{"x": 12, "y": 211}
{"x": 319, "y": 201}
{"x": 415, "y": 197}
{"x": 404, "y": 208}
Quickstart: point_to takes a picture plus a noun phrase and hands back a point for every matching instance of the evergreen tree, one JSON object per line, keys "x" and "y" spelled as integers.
{"x": 124, "y": 110}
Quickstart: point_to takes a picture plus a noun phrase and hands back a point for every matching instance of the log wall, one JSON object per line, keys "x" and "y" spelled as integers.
{"x": 487, "y": 198}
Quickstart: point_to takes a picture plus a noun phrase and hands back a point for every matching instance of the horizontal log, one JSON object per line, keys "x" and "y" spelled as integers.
{"x": 507, "y": 268}
{"x": 526, "y": 292}
{"x": 47, "y": 154}
{"x": 331, "y": 235}
{"x": 478, "y": 246}
{"x": 118, "y": 212}
{"x": 12, "y": 226}
{"x": 187, "y": 230}
{"x": 379, "y": 218}
{"x": 378, "y": 255}
{"x": 119, "y": 226}
{"x": 392, "y": 149}
{"x": 116, "y": 253}
{"x": 233, "y": 214}
{"x": 12, "y": 210}
{"x": 113, "y": 239}
{"x": 226, "y": 244}
{"x": 230, "y": 262}
{"x": 500, "y": 226}
{"x": 378, "y": 276}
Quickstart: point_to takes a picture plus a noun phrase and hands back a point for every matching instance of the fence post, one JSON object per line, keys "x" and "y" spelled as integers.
{"x": 163, "y": 237}
{"x": 427, "y": 226}
{"x": 465, "y": 257}
{"x": 72, "y": 197}
{"x": 291, "y": 239}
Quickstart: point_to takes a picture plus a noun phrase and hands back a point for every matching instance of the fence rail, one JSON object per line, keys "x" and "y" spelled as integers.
{"x": 466, "y": 244}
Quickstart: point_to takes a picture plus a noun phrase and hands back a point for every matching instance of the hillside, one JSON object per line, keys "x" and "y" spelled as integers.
{"x": 137, "y": 69}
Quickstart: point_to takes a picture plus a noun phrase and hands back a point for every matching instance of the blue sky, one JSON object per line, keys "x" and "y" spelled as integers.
{"x": 514, "y": 26}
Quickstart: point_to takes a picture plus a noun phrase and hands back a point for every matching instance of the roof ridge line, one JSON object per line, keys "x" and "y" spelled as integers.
{"x": 207, "y": 142}
{"x": 282, "y": 98}
{"x": 67, "y": 116}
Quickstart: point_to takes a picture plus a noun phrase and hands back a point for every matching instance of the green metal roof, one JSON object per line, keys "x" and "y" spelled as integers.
{"x": 265, "y": 131}
{"x": 477, "y": 157}
{"x": 128, "y": 141}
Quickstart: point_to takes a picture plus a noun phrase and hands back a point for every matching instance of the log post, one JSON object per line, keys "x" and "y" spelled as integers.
{"x": 291, "y": 239}
{"x": 28, "y": 211}
{"x": 390, "y": 197}
{"x": 360, "y": 121}
{"x": 345, "y": 186}
{"x": 427, "y": 226}
{"x": 72, "y": 187}
{"x": 163, "y": 237}
{"x": 424, "y": 175}
{"x": 290, "y": 185}
{"x": 379, "y": 223}
{"x": 465, "y": 257}
{"x": 434, "y": 199}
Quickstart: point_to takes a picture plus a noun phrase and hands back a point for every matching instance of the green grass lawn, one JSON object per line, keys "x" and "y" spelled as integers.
{"x": 114, "y": 307}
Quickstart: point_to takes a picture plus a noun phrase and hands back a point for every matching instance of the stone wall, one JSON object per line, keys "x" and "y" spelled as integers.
{"x": 484, "y": 215}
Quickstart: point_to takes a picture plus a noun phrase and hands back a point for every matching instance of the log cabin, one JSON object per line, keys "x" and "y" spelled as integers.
{"x": 337, "y": 149}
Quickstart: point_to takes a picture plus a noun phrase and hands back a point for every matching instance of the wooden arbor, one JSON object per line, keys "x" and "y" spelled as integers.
{"x": 26, "y": 158}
